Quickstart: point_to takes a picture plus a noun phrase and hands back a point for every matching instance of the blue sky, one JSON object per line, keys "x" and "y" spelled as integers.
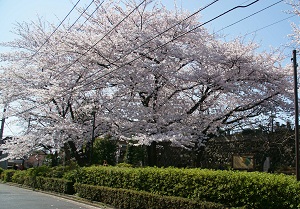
{"x": 12, "y": 11}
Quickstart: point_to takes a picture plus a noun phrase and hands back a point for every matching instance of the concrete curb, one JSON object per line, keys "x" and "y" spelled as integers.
{"x": 65, "y": 196}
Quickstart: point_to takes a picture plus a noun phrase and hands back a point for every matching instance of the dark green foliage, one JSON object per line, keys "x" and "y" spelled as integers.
{"x": 236, "y": 189}
{"x": 7, "y": 175}
{"x": 60, "y": 171}
{"x": 135, "y": 155}
{"x": 130, "y": 199}
{"x": 39, "y": 171}
{"x": 54, "y": 185}
{"x": 1, "y": 171}
{"x": 261, "y": 143}
{"x": 124, "y": 165}
{"x": 104, "y": 150}
{"x": 48, "y": 184}
{"x": 44, "y": 178}
{"x": 20, "y": 177}
{"x": 52, "y": 159}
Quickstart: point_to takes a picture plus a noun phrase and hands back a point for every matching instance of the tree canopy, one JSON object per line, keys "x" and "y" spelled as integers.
{"x": 150, "y": 73}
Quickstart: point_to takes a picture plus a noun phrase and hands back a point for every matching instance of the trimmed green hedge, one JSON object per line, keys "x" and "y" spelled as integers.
{"x": 1, "y": 171}
{"x": 235, "y": 189}
{"x": 54, "y": 185}
{"x": 30, "y": 179}
{"x": 231, "y": 188}
{"x": 130, "y": 199}
{"x": 7, "y": 175}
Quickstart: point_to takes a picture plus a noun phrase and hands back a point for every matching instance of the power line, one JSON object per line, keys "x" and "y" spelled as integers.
{"x": 34, "y": 107}
{"x": 81, "y": 14}
{"x": 154, "y": 37}
{"x": 50, "y": 37}
{"x": 270, "y": 24}
{"x": 112, "y": 29}
{"x": 175, "y": 38}
{"x": 77, "y": 19}
{"x": 55, "y": 30}
{"x": 249, "y": 16}
{"x": 6, "y": 124}
{"x": 66, "y": 92}
{"x": 92, "y": 13}
{"x": 159, "y": 34}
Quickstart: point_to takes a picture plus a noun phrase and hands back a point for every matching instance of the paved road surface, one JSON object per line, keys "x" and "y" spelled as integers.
{"x": 12, "y": 197}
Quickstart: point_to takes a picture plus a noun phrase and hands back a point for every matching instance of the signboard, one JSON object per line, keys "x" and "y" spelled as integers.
{"x": 244, "y": 162}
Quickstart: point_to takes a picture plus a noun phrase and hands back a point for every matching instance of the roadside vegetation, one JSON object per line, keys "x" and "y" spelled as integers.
{"x": 128, "y": 187}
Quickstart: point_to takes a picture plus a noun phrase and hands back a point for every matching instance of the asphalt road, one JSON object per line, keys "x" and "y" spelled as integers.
{"x": 12, "y": 197}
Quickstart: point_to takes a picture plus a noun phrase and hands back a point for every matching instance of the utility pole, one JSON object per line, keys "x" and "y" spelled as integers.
{"x": 296, "y": 114}
{"x": 2, "y": 125}
{"x": 93, "y": 136}
{"x": 3, "y": 164}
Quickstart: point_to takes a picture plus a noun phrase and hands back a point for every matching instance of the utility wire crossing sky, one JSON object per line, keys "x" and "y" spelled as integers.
{"x": 266, "y": 22}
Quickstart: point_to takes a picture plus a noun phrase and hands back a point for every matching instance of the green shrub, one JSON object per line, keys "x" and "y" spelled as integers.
{"x": 130, "y": 199}
{"x": 104, "y": 150}
{"x": 1, "y": 171}
{"x": 7, "y": 175}
{"x": 134, "y": 155}
{"x": 124, "y": 165}
{"x": 57, "y": 172}
{"x": 60, "y": 171}
{"x": 236, "y": 189}
{"x": 47, "y": 184}
{"x": 39, "y": 171}
{"x": 19, "y": 176}
{"x": 54, "y": 185}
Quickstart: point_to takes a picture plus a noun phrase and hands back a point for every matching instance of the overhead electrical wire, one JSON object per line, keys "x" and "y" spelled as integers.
{"x": 79, "y": 18}
{"x": 34, "y": 107}
{"x": 249, "y": 16}
{"x": 59, "y": 26}
{"x": 48, "y": 38}
{"x": 106, "y": 34}
{"x": 159, "y": 34}
{"x": 274, "y": 23}
{"x": 92, "y": 13}
{"x": 81, "y": 14}
{"x": 67, "y": 92}
{"x": 6, "y": 124}
{"x": 152, "y": 38}
{"x": 193, "y": 14}
{"x": 55, "y": 30}
{"x": 173, "y": 39}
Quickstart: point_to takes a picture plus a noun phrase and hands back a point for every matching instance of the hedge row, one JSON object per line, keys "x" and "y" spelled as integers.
{"x": 37, "y": 182}
{"x": 7, "y": 175}
{"x": 235, "y": 189}
{"x": 131, "y": 199}
{"x": 119, "y": 198}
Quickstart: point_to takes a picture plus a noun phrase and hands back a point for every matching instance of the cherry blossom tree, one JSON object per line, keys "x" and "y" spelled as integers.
{"x": 152, "y": 74}
{"x": 296, "y": 30}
